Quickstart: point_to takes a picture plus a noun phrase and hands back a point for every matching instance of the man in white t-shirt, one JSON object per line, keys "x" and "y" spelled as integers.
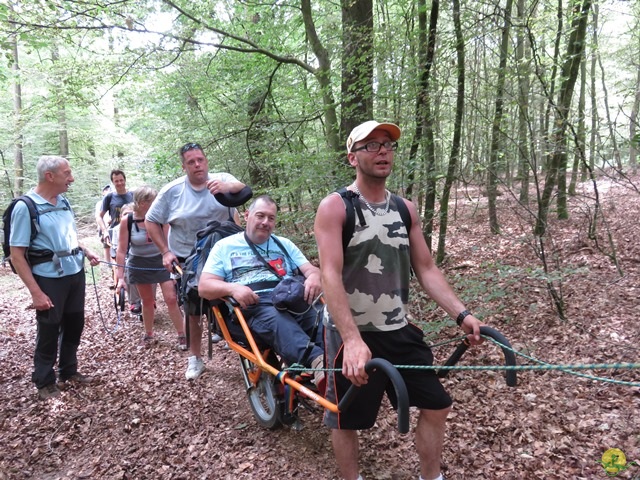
{"x": 187, "y": 204}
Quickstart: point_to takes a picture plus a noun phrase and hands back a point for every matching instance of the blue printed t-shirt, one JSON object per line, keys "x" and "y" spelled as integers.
{"x": 57, "y": 233}
{"x": 233, "y": 260}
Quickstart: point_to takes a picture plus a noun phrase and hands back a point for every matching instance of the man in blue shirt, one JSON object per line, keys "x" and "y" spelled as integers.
{"x": 57, "y": 286}
{"x": 234, "y": 270}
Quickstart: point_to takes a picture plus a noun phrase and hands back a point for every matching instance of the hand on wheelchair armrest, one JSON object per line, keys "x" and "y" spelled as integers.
{"x": 232, "y": 301}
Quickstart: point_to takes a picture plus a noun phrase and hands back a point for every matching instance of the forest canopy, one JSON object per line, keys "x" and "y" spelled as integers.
{"x": 504, "y": 97}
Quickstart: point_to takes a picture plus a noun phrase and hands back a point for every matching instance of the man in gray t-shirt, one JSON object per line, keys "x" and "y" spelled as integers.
{"x": 187, "y": 204}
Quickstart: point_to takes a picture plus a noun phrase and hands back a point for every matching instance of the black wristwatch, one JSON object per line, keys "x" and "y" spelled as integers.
{"x": 461, "y": 316}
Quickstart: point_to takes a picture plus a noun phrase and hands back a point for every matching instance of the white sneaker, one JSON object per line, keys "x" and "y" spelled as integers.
{"x": 195, "y": 368}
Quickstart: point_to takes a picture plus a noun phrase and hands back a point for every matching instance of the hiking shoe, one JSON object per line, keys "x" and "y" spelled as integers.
{"x": 136, "y": 309}
{"x": 195, "y": 368}
{"x": 319, "y": 378}
{"x": 182, "y": 342}
{"x": 215, "y": 338}
{"x": 148, "y": 341}
{"x": 77, "y": 378}
{"x": 48, "y": 391}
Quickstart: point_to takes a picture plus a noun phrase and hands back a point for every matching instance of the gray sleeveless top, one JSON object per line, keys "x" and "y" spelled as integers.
{"x": 140, "y": 243}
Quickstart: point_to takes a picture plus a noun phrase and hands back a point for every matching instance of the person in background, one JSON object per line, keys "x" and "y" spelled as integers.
{"x": 187, "y": 204}
{"x": 144, "y": 267}
{"x": 366, "y": 288}
{"x": 112, "y": 205}
{"x": 234, "y": 269}
{"x": 100, "y": 221}
{"x": 57, "y": 284}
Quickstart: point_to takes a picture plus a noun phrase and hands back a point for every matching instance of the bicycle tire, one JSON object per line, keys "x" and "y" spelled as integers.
{"x": 262, "y": 395}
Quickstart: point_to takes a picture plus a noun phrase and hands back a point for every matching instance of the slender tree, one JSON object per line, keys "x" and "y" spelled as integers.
{"x": 18, "y": 160}
{"x": 457, "y": 134}
{"x": 581, "y": 130}
{"x": 569, "y": 75}
{"x": 524, "y": 84}
{"x": 59, "y": 99}
{"x": 496, "y": 126}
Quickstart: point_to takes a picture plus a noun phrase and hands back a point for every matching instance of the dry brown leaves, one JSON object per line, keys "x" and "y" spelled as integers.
{"x": 143, "y": 420}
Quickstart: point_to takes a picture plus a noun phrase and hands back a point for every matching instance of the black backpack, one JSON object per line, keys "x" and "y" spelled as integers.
{"x": 34, "y": 257}
{"x": 205, "y": 240}
{"x": 353, "y": 208}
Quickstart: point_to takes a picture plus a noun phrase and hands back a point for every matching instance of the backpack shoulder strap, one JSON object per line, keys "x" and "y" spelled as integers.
{"x": 129, "y": 224}
{"x": 33, "y": 213}
{"x": 282, "y": 248}
{"x": 260, "y": 257}
{"x": 351, "y": 208}
{"x": 403, "y": 211}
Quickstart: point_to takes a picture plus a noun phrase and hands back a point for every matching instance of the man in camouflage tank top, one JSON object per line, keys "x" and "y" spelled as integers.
{"x": 366, "y": 288}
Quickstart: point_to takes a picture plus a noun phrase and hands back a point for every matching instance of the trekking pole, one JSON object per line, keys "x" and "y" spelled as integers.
{"x": 185, "y": 306}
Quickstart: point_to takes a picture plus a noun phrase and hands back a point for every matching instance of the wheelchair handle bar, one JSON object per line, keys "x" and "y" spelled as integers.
{"x": 398, "y": 384}
{"x": 509, "y": 356}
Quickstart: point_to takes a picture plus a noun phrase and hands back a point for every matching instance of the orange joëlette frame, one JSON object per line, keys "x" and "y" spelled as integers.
{"x": 255, "y": 355}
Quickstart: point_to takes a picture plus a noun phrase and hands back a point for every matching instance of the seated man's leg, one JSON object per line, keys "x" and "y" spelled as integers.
{"x": 311, "y": 320}
{"x": 282, "y": 331}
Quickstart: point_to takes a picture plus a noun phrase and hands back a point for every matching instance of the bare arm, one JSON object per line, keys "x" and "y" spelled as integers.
{"x": 330, "y": 218}
{"x": 121, "y": 252}
{"x": 157, "y": 234}
{"x": 312, "y": 283}
{"x": 102, "y": 224}
{"x": 214, "y": 287}
{"x": 218, "y": 186}
{"x": 433, "y": 281}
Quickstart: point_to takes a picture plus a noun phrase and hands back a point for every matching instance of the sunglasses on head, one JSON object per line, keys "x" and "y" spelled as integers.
{"x": 190, "y": 146}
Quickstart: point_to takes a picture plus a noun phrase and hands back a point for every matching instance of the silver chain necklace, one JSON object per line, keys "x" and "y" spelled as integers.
{"x": 376, "y": 211}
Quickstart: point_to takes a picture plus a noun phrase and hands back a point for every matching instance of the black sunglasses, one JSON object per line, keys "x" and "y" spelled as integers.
{"x": 190, "y": 146}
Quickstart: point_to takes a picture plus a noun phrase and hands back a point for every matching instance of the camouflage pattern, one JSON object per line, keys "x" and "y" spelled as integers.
{"x": 376, "y": 271}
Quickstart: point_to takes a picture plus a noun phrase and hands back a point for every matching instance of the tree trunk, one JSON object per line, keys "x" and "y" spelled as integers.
{"x": 523, "y": 65}
{"x": 457, "y": 135}
{"x": 579, "y": 154}
{"x": 421, "y": 96}
{"x": 63, "y": 134}
{"x": 496, "y": 129}
{"x": 605, "y": 97}
{"x": 594, "y": 102}
{"x": 428, "y": 122}
{"x": 357, "y": 63}
{"x": 323, "y": 75}
{"x": 18, "y": 161}
{"x": 634, "y": 137}
{"x": 569, "y": 75}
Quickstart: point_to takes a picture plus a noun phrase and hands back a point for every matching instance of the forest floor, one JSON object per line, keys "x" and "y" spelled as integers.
{"x": 143, "y": 420}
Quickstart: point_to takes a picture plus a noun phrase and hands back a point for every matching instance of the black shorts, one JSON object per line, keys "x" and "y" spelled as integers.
{"x": 400, "y": 347}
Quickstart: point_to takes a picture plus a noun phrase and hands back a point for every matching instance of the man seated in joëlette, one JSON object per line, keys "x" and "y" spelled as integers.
{"x": 234, "y": 269}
